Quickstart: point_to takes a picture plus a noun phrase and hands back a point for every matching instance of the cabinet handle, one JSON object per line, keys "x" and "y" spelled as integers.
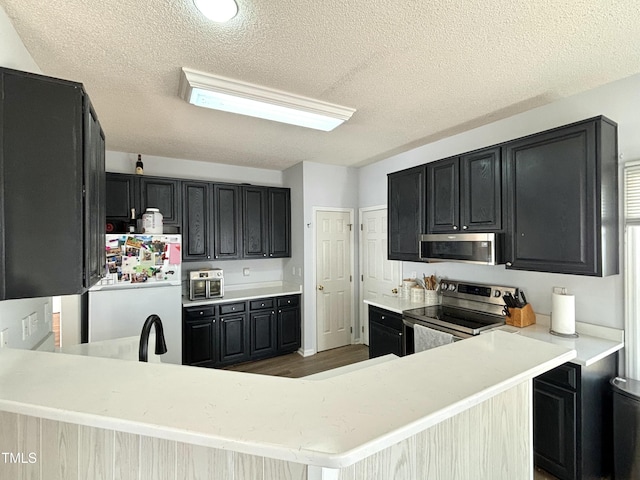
{"x": 455, "y": 227}
{"x": 508, "y": 264}
{"x": 262, "y": 304}
{"x": 222, "y": 319}
{"x": 216, "y": 256}
{"x": 273, "y": 313}
{"x": 400, "y": 334}
{"x": 382, "y": 317}
{"x": 464, "y": 227}
{"x": 264, "y": 254}
{"x": 233, "y": 308}
{"x": 208, "y": 256}
{"x": 279, "y": 311}
{"x": 214, "y": 320}
{"x": 271, "y": 254}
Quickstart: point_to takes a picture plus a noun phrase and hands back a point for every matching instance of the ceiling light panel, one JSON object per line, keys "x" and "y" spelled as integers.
{"x": 217, "y": 10}
{"x": 220, "y": 93}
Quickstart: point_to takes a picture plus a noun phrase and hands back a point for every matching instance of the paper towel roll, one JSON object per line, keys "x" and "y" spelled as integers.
{"x": 563, "y": 313}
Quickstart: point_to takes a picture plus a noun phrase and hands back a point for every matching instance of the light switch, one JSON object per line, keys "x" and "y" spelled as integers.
{"x": 4, "y": 338}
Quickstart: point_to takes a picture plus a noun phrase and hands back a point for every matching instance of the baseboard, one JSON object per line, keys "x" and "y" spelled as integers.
{"x": 307, "y": 353}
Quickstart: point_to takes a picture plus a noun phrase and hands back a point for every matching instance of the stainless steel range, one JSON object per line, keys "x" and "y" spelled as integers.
{"x": 467, "y": 309}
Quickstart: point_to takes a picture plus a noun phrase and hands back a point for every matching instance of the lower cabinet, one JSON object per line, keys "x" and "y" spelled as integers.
{"x": 572, "y": 418}
{"x": 385, "y": 333}
{"x": 225, "y": 334}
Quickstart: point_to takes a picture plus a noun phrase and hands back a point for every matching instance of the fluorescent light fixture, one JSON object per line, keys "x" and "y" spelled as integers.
{"x": 217, "y": 10}
{"x": 220, "y": 93}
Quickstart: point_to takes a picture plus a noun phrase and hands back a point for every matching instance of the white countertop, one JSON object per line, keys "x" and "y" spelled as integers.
{"x": 247, "y": 292}
{"x": 395, "y": 304}
{"x": 589, "y": 348}
{"x": 594, "y": 342}
{"x": 328, "y": 423}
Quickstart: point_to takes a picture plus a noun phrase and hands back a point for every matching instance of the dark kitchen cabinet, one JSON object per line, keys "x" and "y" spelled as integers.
{"x": 196, "y": 221}
{"x": 163, "y": 194}
{"x": 406, "y": 216}
{"x": 121, "y": 195}
{"x": 563, "y": 195}
{"x": 233, "y": 333}
{"x": 289, "y": 338}
{"x": 227, "y": 221}
{"x": 385, "y": 333}
{"x": 51, "y": 187}
{"x": 224, "y": 334}
{"x": 279, "y": 222}
{"x": 200, "y": 336}
{"x": 95, "y": 196}
{"x": 266, "y": 222}
{"x": 465, "y": 193}
{"x": 255, "y": 222}
{"x": 262, "y": 327}
{"x": 572, "y": 420}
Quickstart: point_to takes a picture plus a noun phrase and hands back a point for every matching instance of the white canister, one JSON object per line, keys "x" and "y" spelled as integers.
{"x": 417, "y": 294}
{"x": 152, "y": 221}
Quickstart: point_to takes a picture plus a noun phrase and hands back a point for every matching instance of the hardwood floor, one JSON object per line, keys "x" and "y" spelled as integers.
{"x": 540, "y": 474}
{"x": 296, "y": 366}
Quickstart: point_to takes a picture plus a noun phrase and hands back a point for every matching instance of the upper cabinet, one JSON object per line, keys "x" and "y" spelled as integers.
{"x": 196, "y": 220}
{"x": 279, "y": 222}
{"x": 406, "y": 220}
{"x": 227, "y": 221}
{"x": 51, "y": 187}
{"x": 266, "y": 222}
{"x": 552, "y": 196}
{"x": 465, "y": 193}
{"x": 563, "y": 195}
{"x": 121, "y": 198}
{"x": 163, "y": 194}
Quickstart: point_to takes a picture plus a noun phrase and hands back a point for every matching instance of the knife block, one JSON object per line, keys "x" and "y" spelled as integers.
{"x": 521, "y": 317}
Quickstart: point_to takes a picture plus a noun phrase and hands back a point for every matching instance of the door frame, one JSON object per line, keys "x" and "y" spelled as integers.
{"x": 314, "y": 224}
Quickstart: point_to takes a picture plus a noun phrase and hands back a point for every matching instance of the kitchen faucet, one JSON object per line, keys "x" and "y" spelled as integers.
{"x": 161, "y": 346}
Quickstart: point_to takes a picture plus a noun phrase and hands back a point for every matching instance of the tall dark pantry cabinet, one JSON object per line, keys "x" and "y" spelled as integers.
{"x": 52, "y": 187}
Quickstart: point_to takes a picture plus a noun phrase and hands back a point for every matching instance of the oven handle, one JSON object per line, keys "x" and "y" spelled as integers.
{"x": 457, "y": 336}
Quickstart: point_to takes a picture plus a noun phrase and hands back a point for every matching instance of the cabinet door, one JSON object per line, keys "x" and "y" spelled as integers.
{"x": 554, "y": 430}
{"x": 163, "y": 194}
{"x": 41, "y": 159}
{"x": 481, "y": 191}
{"x": 121, "y": 194}
{"x": 199, "y": 339}
{"x": 227, "y": 220}
{"x": 384, "y": 340}
{"x": 196, "y": 221}
{"x": 234, "y": 342}
{"x": 255, "y": 222}
{"x": 443, "y": 183}
{"x": 263, "y": 334}
{"x": 288, "y": 329}
{"x": 279, "y": 222}
{"x": 94, "y": 212}
{"x": 406, "y": 220}
{"x": 553, "y": 194}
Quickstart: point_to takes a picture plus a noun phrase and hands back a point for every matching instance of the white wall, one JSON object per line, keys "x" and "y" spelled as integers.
{"x": 598, "y": 300}
{"x": 323, "y": 186}
{"x": 122, "y": 162}
{"x": 13, "y": 54}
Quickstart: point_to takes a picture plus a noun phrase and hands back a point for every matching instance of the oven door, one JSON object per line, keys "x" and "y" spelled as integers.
{"x": 407, "y": 330}
{"x": 197, "y": 289}
{"x": 215, "y": 288}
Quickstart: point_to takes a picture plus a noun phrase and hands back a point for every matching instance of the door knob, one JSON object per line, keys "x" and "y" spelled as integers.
{"x": 394, "y": 291}
{"x": 320, "y": 287}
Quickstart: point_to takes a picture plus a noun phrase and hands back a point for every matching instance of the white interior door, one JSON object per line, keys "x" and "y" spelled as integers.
{"x": 333, "y": 278}
{"x": 379, "y": 277}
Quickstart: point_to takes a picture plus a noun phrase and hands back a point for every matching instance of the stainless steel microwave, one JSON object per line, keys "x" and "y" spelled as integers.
{"x": 479, "y": 248}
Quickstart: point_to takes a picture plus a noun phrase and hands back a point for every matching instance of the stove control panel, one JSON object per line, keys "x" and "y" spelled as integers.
{"x": 476, "y": 292}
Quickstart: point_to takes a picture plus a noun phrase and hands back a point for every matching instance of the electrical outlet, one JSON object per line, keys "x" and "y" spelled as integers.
{"x": 25, "y": 328}
{"x": 4, "y": 338}
{"x": 299, "y": 271}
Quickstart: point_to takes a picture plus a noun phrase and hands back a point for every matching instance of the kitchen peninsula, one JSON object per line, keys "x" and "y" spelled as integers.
{"x": 463, "y": 407}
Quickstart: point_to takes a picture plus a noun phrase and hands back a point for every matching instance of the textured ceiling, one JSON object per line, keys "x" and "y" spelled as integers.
{"x": 416, "y": 71}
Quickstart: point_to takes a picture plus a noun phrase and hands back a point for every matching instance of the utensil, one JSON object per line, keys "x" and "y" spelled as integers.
{"x": 420, "y": 282}
{"x": 524, "y": 298}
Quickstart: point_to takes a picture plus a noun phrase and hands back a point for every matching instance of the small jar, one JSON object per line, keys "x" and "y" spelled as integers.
{"x": 152, "y": 221}
{"x": 417, "y": 294}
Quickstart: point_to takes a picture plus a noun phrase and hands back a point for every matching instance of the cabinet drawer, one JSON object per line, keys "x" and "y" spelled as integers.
{"x": 385, "y": 318}
{"x": 565, "y": 376}
{"x": 261, "y": 304}
{"x": 199, "y": 312}
{"x": 232, "y": 308}
{"x": 292, "y": 301}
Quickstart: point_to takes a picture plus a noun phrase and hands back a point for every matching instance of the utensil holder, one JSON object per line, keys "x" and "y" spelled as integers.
{"x": 521, "y": 317}
{"x": 431, "y": 297}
